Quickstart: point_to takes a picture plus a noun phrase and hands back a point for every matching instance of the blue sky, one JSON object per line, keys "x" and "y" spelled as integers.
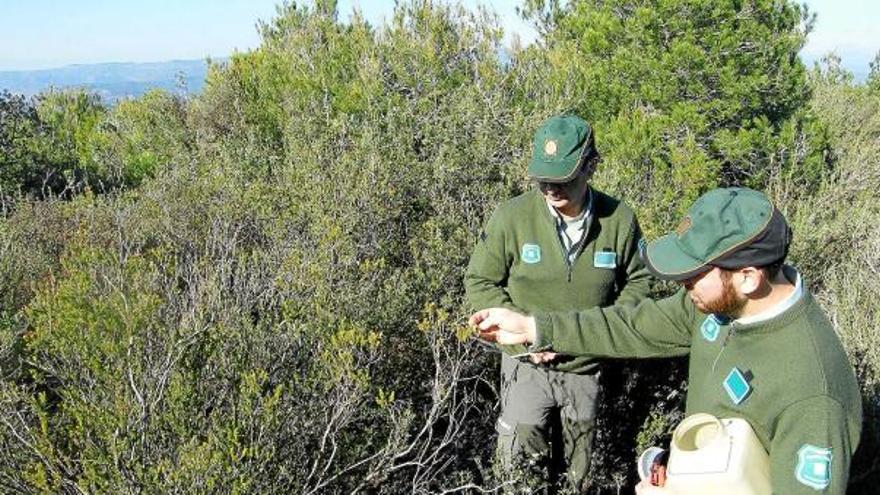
{"x": 38, "y": 34}
{"x": 49, "y": 33}
{"x": 851, "y": 28}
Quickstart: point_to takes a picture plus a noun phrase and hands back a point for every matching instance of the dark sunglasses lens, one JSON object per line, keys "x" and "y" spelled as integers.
{"x": 555, "y": 185}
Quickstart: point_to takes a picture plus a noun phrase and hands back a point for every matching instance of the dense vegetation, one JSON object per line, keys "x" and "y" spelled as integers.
{"x": 258, "y": 290}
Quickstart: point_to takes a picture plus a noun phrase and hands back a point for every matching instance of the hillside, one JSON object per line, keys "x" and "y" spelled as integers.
{"x": 112, "y": 81}
{"x": 258, "y": 288}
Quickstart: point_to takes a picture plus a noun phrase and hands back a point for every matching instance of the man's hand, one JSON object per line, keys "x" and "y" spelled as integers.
{"x": 504, "y": 326}
{"x": 543, "y": 357}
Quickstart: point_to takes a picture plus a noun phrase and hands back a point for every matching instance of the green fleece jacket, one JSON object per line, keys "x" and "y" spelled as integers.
{"x": 520, "y": 263}
{"x": 789, "y": 376}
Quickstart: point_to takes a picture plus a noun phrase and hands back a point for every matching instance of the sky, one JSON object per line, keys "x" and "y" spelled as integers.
{"x": 39, "y": 34}
{"x": 850, "y": 28}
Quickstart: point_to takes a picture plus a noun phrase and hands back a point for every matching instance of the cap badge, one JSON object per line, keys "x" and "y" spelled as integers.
{"x": 550, "y": 147}
{"x": 683, "y": 227}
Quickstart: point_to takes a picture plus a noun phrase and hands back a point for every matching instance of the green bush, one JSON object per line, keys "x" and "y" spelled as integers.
{"x": 139, "y": 137}
{"x": 686, "y": 95}
{"x": 260, "y": 289}
{"x": 281, "y": 314}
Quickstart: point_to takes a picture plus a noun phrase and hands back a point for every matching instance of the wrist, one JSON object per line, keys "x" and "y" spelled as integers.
{"x": 531, "y": 329}
{"x": 539, "y": 332}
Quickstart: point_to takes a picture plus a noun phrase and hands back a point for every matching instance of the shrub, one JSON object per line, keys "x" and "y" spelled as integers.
{"x": 269, "y": 298}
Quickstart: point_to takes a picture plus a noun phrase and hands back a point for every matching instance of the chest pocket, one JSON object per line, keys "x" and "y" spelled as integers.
{"x": 597, "y": 273}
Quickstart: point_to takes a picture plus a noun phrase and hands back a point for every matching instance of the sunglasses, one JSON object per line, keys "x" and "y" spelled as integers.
{"x": 557, "y": 185}
{"x": 562, "y": 185}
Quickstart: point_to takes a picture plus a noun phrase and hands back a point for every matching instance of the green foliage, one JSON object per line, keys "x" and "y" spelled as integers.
{"x": 140, "y": 137}
{"x": 874, "y": 75}
{"x": 685, "y": 95}
{"x": 70, "y": 118}
{"x": 270, "y": 300}
{"x": 64, "y": 142}
{"x": 18, "y": 127}
{"x": 258, "y": 319}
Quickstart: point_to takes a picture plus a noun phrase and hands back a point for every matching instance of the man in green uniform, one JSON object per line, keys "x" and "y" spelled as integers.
{"x": 760, "y": 347}
{"x": 561, "y": 247}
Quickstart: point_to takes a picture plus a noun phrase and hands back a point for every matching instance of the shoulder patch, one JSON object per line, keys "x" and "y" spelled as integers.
{"x": 710, "y": 328}
{"x": 531, "y": 253}
{"x": 814, "y": 466}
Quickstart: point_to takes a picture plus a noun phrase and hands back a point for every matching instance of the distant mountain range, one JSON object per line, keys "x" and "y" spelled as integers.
{"x": 113, "y": 81}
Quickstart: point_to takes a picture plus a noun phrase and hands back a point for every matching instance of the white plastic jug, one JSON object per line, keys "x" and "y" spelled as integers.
{"x": 717, "y": 456}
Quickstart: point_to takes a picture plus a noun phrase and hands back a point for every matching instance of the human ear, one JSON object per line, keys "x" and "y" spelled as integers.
{"x": 750, "y": 280}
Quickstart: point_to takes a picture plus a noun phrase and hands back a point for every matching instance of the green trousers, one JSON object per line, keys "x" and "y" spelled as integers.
{"x": 547, "y": 423}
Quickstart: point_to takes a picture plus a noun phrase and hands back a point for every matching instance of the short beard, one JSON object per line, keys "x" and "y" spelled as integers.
{"x": 729, "y": 303}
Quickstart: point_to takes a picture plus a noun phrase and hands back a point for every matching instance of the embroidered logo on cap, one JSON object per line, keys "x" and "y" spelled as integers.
{"x": 605, "y": 259}
{"x": 531, "y": 253}
{"x": 710, "y": 328}
{"x": 683, "y": 227}
{"x": 737, "y": 386}
{"x": 814, "y": 466}
{"x": 550, "y": 147}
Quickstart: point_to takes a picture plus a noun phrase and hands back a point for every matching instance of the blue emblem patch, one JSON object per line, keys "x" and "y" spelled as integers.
{"x": 737, "y": 386}
{"x": 605, "y": 259}
{"x": 531, "y": 253}
{"x": 710, "y": 328}
{"x": 814, "y": 467}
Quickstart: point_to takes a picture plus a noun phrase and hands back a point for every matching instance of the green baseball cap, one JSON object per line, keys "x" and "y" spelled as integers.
{"x": 558, "y": 147}
{"x": 730, "y": 228}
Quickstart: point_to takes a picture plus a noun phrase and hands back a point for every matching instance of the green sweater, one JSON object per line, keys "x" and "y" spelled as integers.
{"x": 789, "y": 377}
{"x": 520, "y": 263}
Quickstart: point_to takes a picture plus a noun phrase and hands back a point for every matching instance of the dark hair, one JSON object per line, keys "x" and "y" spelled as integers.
{"x": 772, "y": 270}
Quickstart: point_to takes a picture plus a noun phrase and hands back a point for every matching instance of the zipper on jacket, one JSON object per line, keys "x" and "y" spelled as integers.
{"x": 565, "y": 259}
{"x": 577, "y": 254}
{"x": 589, "y": 223}
{"x": 731, "y": 332}
{"x": 581, "y": 246}
{"x": 568, "y": 264}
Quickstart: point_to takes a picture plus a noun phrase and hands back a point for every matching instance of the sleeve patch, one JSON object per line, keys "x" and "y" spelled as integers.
{"x": 814, "y": 466}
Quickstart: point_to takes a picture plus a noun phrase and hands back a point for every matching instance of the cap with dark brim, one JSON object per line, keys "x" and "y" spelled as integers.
{"x": 769, "y": 245}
